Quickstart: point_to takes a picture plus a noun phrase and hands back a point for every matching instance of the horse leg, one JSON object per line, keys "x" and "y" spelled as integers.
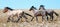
{"x": 51, "y": 16}
{"x": 23, "y": 14}
{"x": 42, "y": 18}
{"x": 12, "y": 18}
{"x": 8, "y": 19}
{"x": 47, "y": 18}
{"x": 19, "y": 18}
{"x": 25, "y": 18}
{"x": 28, "y": 15}
{"x": 55, "y": 13}
{"x": 36, "y": 19}
{"x": 32, "y": 19}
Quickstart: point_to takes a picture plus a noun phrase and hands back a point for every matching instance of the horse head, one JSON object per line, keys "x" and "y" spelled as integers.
{"x": 6, "y": 9}
{"x": 42, "y": 7}
{"x": 32, "y": 8}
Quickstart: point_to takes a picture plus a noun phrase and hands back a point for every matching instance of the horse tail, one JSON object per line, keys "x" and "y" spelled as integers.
{"x": 56, "y": 13}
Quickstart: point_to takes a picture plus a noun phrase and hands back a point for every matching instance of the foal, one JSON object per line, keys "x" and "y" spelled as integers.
{"x": 11, "y": 13}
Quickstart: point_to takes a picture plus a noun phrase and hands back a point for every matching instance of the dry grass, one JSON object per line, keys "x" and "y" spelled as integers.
{"x": 23, "y": 23}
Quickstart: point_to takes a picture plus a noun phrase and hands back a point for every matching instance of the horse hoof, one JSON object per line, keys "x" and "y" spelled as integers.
{"x": 31, "y": 20}
{"x": 51, "y": 20}
{"x": 26, "y": 21}
{"x": 16, "y": 21}
{"x": 8, "y": 21}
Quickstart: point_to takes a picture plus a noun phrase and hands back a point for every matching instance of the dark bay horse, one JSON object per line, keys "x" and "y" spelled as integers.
{"x": 49, "y": 12}
{"x": 11, "y": 13}
{"x": 38, "y": 13}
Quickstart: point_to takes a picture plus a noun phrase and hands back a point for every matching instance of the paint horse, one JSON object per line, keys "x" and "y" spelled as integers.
{"x": 38, "y": 13}
{"x": 49, "y": 12}
{"x": 11, "y": 13}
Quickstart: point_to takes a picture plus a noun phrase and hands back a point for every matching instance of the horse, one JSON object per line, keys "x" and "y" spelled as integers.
{"x": 11, "y": 13}
{"x": 38, "y": 13}
{"x": 49, "y": 12}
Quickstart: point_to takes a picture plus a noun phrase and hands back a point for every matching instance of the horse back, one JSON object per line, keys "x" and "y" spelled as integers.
{"x": 14, "y": 12}
{"x": 49, "y": 11}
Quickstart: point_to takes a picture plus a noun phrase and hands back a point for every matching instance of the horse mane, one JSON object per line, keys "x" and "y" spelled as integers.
{"x": 9, "y": 8}
{"x": 33, "y": 7}
{"x": 42, "y": 6}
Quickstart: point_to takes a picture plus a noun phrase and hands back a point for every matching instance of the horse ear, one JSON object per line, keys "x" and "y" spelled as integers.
{"x": 5, "y": 10}
{"x": 32, "y": 6}
{"x": 41, "y": 5}
{"x": 7, "y": 7}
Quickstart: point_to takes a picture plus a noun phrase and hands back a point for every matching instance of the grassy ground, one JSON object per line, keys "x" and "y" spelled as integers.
{"x": 23, "y": 23}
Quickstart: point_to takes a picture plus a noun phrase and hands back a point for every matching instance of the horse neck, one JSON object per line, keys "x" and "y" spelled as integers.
{"x": 9, "y": 10}
{"x": 34, "y": 10}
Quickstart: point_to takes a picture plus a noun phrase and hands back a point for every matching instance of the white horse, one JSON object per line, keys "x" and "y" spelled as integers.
{"x": 11, "y": 13}
{"x": 38, "y": 13}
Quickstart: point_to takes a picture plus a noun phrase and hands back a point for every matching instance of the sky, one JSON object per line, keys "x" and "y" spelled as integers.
{"x": 26, "y": 4}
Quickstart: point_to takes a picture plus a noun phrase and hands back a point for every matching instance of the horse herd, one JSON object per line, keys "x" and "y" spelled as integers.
{"x": 20, "y": 13}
